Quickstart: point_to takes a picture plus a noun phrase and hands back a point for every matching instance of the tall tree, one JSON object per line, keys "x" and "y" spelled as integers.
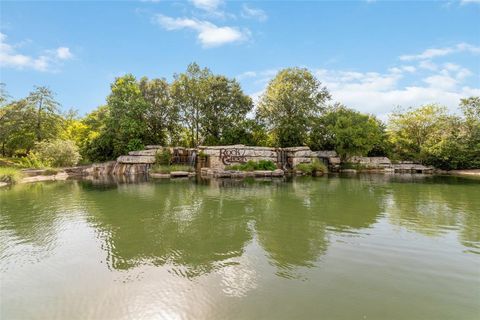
{"x": 17, "y": 123}
{"x": 47, "y": 118}
{"x": 188, "y": 96}
{"x": 410, "y": 132}
{"x": 289, "y": 105}
{"x": 126, "y": 121}
{"x": 347, "y": 131}
{"x": 224, "y": 107}
{"x": 161, "y": 114}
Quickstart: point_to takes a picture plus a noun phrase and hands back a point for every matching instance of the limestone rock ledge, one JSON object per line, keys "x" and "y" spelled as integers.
{"x": 136, "y": 159}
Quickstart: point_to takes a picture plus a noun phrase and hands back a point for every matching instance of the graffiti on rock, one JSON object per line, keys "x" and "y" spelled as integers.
{"x": 229, "y": 156}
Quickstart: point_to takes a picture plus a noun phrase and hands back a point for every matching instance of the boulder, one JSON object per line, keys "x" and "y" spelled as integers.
{"x": 262, "y": 173}
{"x": 177, "y": 174}
{"x": 136, "y": 159}
{"x": 149, "y": 152}
{"x": 156, "y": 147}
{"x": 160, "y": 175}
{"x": 278, "y": 173}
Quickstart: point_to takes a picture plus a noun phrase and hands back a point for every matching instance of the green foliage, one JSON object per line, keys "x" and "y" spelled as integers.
{"x": 161, "y": 114}
{"x": 347, "y": 131}
{"x": 57, "y": 153}
{"x": 29, "y": 120}
{"x": 32, "y": 161}
{"x": 429, "y": 135}
{"x": 290, "y": 103}
{"x": 10, "y": 175}
{"x": 253, "y": 165}
{"x": 159, "y": 168}
{"x": 163, "y": 157}
{"x": 210, "y": 106}
{"x": 352, "y": 165}
{"x": 126, "y": 121}
{"x": 314, "y": 167}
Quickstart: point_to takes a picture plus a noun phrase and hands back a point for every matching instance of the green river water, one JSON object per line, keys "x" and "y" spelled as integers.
{"x": 361, "y": 247}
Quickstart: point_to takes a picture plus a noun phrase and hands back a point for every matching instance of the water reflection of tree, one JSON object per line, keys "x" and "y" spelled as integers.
{"x": 437, "y": 206}
{"x": 177, "y": 224}
{"x": 292, "y": 225}
{"x": 31, "y": 212}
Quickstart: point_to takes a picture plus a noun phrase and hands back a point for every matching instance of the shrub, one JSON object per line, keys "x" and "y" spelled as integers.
{"x": 56, "y": 153}
{"x": 253, "y": 165}
{"x": 163, "y": 157}
{"x": 10, "y": 175}
{"x": 266, "y": 165}
{"x": 32, "y": 161}
{"x": 352, "y": 165}
{"x": 313, "y": 167}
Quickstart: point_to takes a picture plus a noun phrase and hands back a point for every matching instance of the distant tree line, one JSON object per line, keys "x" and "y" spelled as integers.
{"x": 202, "y": 108}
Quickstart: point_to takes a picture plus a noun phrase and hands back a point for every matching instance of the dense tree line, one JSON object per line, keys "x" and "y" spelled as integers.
{"x": 202, "y": 108}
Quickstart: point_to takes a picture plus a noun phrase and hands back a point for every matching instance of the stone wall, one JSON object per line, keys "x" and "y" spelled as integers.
{"x": 222, "y": 156}
{"x": 219, "y": 157}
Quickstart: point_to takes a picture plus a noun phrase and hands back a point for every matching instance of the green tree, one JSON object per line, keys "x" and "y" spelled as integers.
{"x": 127, "y": 110}
{"x": 47, "y": 113}
{"x": 188, "y": 97}
{"x": 161, "y": 116}
{"x": 456, "y": 144}
{"x": 224, "y": 108}
{"x": 25, "y": 121}
{"x": 17, "y": 121}
{"x": 410, "y": 132}
{"x": 348, "y": 132}
{"x": 292, "y": 100}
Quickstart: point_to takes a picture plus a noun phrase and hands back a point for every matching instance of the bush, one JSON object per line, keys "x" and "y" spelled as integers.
{"x": 167, "y": 169}
{"x": 10, "y": 175}
{"x": 253, "y": 165}
{"x": 32, "y": 161}
{"x": 163, "y": 158}
{"x": 55, "y": 153}
{"x": 313, "y": 167}
{"x": 352, "y": 165}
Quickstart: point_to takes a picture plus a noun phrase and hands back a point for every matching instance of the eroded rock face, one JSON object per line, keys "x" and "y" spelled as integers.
{"x": 136, "y": 159}
{"x": 149, "y": 152}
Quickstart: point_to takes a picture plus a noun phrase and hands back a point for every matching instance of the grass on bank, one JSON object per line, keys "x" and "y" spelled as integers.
{"x": 313, "y": 167}
{"x": 161, "y": 168}
{"x": 10, "y": 175}
{"x": 253, "y": 165}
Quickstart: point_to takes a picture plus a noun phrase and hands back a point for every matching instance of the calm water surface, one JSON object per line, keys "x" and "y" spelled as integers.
{"x": 371, "y": 247}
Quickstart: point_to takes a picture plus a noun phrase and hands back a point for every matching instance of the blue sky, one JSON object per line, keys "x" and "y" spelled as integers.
{"x": 372, "y": 55}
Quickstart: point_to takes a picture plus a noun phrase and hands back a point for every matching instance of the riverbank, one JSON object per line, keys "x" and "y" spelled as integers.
{"x": 469, "y": 172}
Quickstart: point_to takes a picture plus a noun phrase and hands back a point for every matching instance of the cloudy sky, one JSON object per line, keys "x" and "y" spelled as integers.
{"x": 372, "y": 55}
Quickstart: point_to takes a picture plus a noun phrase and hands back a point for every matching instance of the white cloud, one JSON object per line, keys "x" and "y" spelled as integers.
{"x": 255, "y": 13}
{"x": 207, "y": 5}
{"x": 64, "y": 53}
{"x": 444, "y": 82}
{"x": 10, "y": 58}
{"x": 379, "y": 93}
{"x": 209, "y": 34}
{"x": 440, "y": 52}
